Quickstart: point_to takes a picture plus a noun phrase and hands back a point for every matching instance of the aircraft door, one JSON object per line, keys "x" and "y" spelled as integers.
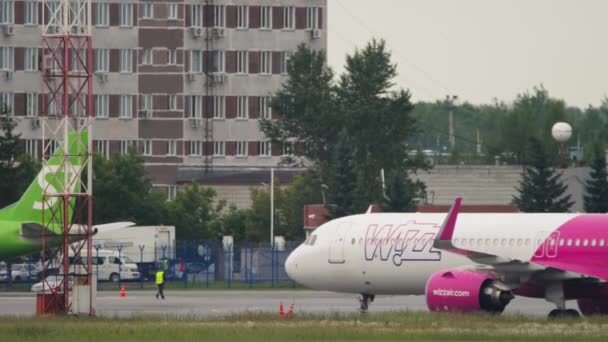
{"x": 336, "y": 248}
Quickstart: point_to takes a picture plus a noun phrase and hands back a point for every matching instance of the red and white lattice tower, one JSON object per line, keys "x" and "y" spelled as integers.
{"x": 67, "y": 202}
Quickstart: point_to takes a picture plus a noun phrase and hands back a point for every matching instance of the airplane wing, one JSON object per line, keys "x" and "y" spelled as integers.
{"x": 511, "y": 270}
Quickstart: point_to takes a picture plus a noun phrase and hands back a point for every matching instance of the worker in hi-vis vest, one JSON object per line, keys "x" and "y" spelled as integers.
{"x": 160, "y": 283}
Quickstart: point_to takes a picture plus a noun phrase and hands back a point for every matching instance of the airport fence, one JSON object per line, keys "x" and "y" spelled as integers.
{"x": 187, "y": 264}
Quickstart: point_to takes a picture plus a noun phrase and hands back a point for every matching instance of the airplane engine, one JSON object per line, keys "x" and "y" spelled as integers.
{"x": 465, "y": 291}
{"x": 593, "y": 306}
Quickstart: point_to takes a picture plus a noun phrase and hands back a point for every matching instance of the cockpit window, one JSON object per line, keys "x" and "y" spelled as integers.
{"x": 313, "y": 239}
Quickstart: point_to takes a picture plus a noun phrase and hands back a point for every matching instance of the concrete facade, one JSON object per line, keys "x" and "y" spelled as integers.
{"x": 185, "y": 82}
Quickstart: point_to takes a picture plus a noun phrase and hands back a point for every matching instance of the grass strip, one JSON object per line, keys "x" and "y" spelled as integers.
{"x": 267, "y": 327}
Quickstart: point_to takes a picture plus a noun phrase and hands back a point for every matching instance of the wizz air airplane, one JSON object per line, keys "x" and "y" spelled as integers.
{"x": 21, "y": 224}
{"x": 461, "y": 262}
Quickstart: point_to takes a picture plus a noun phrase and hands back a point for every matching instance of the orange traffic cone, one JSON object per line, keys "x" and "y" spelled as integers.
{"x": 123, "y": 292}
{"x": 290, "y": 312}
{"x": 281, "y": 311}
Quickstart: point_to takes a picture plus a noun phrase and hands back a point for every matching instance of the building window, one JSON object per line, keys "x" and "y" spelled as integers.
{"x": 265, "y": 149}
{"x": 266, "y": 13}
{"x": 265, "y": 110}
{"x": 266, "y": 65}
{"x": 125, "y": 146}
{"x": 196, "y": 148}
{"x": 126, "y": 106}
{"x": 147, "y": 147}
{"x": 289, "y": 18}
{"x": 241, "y": 148}
{"x": 126, "y": 14}
{"x": 6, "y": 103}
{"x": 242, "y": 107}
{"x": 242, "y": 17}
{"x": 6, "y": 58}
{"x": 171, "y": 192}
{"x": 242, "y": 62}
{"x": 172, "y": 10}
{"x": 172, "y": 58}
{"x": 195, "y": 61}
{"x": 101, "y": 146}
{"x": 147, "y": 10}
{"x": 126, "y": 60}
{"x": 196, "y": 15}
{"x": 172, "y": 102}
{"x": 171, "y": 147}
{"x": 219, "y": 16}
{"x": 52, "y": 107}
{"x": 31, "y": 148}
{"x": 312, "y": 16}
{"x": 284, "y": 61}
{"x": 31, "y": 59}
{"x": 101, "y": 14}
{"x": 51, "y": 147}
{"x": 219, "y": 107}
{"x": 30, "y": 16}
{"x": 146, "y": 56}
{"x": 6, "y": 11}
{"x": 146, "y": 102}
{"x": 288, "y": 148}
{"x": 102, "y": 60}
{"x": 195, "y": 110}
{"x": 219, "y": 148}
{"x": 31, "y": 105}
{"x": 218, "y": 60}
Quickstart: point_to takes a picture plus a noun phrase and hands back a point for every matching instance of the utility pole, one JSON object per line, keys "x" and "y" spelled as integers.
{"x": 449, "y": 100}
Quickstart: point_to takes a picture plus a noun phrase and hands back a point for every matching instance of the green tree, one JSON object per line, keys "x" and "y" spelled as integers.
{"x": 17, "y": 170}
{"x": 195, "y": 214}
{"x": 596, "y": 188}
{"x": 306, "y": 105}
{"x": 123, "y": 192}
{"x": 541, "y": 189}
{"x": 377, "y": 116}
{"x": 342, "y": 183}
{"x": 402, "y": 193}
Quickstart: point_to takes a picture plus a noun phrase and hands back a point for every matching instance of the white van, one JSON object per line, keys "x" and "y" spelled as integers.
{"x": 107, "y": 264}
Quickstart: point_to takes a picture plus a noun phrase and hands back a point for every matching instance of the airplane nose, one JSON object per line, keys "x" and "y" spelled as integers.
{"x": 291, "y": 265}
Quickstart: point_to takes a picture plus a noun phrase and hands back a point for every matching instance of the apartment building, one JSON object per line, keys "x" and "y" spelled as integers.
{"x": 184, "y": 82}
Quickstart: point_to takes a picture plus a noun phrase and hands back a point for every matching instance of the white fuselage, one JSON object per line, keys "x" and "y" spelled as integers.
{"x": 393, "y": 254}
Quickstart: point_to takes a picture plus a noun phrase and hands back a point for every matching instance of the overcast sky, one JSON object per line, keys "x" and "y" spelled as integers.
{"x": 482, "y": 49}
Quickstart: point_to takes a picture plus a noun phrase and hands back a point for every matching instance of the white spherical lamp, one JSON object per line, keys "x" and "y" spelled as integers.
{"x": 561, "y": 132}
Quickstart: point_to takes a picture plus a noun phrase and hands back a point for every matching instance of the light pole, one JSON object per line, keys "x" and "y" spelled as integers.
{"x": 272, "y": 207}
{"x": 450, "y": 99}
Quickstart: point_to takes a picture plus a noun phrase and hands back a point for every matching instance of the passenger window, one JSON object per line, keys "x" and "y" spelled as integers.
{"x": 527, "y": 242}
{"x": 577, "y": 242}
{"x": 561, "y": 242}
{"x": 487, "y": 242}
{"x": 593, "y": 242}
{"x": 601, "y": 242}
{"x": 464, "y": 242}
{"x": 495, "y": 242}
{"x": 479, "y": 242}
{"x": 511, "y": 242}
{"x": 504, "y": 242}
{"x": 471, "y": 242}
{"x": 585, "y": 242}
{"x": 115, "y": 260}
{"x": 456, "y": 242}
{"x": 569, "y": 242}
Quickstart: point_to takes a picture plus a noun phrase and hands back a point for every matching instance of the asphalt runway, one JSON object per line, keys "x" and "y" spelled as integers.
{"x": 222, "y": 303}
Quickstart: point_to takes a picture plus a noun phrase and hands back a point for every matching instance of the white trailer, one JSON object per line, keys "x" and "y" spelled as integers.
{"x": 146, "y": 245}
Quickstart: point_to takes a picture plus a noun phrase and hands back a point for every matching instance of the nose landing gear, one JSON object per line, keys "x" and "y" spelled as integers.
{"x": 364, "y": 301}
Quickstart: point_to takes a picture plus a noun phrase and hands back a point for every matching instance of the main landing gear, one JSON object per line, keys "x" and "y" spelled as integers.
{"x": 554, "y": 293}
{"x": 364, "y": 301}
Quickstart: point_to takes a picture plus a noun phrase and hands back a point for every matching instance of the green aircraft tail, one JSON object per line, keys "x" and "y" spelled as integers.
{"x": 51, "y": 177}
